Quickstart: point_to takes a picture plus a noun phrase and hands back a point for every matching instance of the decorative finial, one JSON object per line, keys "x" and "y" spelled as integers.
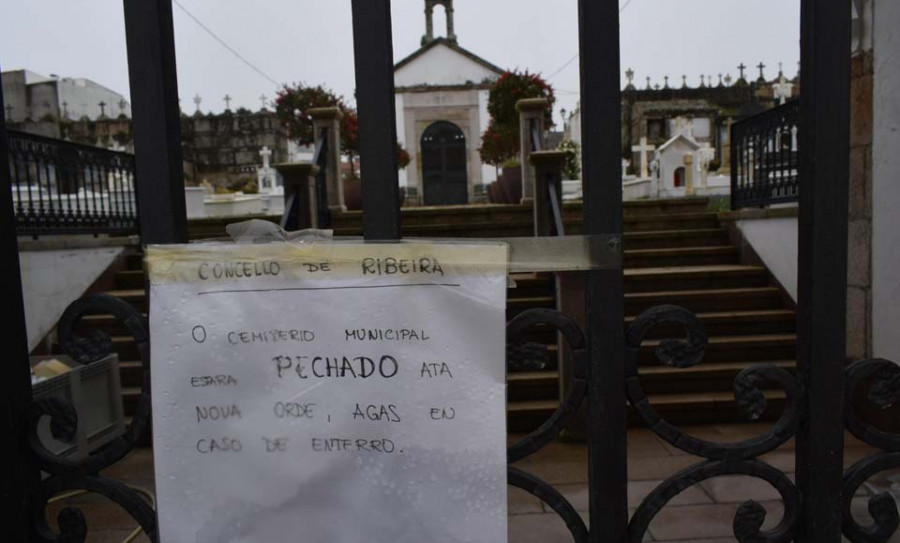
{"x": 683, "y": 81}
{"x": 702, "y": 81}
{"x": 649, "y": 87}
{"x": 197, "y": 101}
{"x": 728, "y": 80}
{"x": 102, "y": 105}
{"x": 666, "y": 79}
{"x": 720, "y": 80}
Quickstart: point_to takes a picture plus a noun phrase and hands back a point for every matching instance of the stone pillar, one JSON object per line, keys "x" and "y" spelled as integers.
{"x": 451, "y": 32}
{"x": 689, "y": 174}
{"x": 329, "y": 119}
{"x": 725, "y": 167}
{"x": 429, "y": 24}
{"x": 529, "y": 109}
{"x": 299, "y": 182}
{"x": 548, "y": 166}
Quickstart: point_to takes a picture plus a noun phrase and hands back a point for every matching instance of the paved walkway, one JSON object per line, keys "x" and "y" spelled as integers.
{"x": 702, "y": 513}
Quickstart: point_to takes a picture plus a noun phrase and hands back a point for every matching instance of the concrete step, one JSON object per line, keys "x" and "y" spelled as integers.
{"x": 130, "y": 279}
{"x": 694, "y": 278}
{"x": 733, "y": 349}
{"x": 680, "y": 409}
{"x": 680, "y": 256}
{"x": 702, "y": 378}
{"x": 707, "y": 300}
{"x": 532, "y": 385}
{"x": 664, "y": 239}
{"x": 415, "y": 216}
{"x": 733, "y": 323}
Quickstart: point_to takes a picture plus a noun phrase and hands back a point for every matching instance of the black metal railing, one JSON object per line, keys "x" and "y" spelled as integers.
{"x": 765, "y": 158}
{"x": 59, "y": 187}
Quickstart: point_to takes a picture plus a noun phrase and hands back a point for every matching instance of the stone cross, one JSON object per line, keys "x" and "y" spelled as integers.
{"x": 666, "y": 79}
{"x": 684, "y": 126}
{"x": 783, "y": 90}
{"x": 102, "y": 105}
{"x": 629, "y": 75}
{"x": 643, "y": 148}
{"x": 741, "y": 67}
{"x": 197, "y": 101}
{"x": 761, "y": 67}
{"x": 227, "y": 102}
{"x": 648, "y": 83}
{"x": 263, "y": 100}
{"x": 728, "y": 79}
{"x": 720, "y": 80}
{"x": 266, "y": 155}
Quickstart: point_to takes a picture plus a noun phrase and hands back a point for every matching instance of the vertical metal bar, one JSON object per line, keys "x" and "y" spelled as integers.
{"x": 374, "y": 55}
{"x": 601, "y": 136}
{"x": 15, "y": 381}
{"x": 822, "y": 292}
{"x": 159, "y": 174}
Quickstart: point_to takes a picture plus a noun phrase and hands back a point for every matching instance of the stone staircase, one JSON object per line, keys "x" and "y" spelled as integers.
{"x": 676, "y": 252}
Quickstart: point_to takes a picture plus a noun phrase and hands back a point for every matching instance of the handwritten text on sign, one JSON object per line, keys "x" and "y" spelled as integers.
{"x": 329, "y": 392}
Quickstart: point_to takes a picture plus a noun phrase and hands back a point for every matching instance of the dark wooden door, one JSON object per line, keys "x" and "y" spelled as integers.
{"x": 444, "y": 165}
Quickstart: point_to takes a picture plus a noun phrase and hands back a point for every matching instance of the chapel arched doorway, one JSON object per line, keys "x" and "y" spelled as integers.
{"x": 445, "y": 179}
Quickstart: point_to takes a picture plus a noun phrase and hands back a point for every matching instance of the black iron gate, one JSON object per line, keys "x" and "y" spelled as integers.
{"x": 820, "y": 400}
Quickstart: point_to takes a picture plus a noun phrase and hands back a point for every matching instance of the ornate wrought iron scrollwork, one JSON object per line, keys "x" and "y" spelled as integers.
{"x": 881, "y": 379}
{"x": 551, "y": 428}
{"x": 66, "y": 474}
{"x": 721, "y": 458}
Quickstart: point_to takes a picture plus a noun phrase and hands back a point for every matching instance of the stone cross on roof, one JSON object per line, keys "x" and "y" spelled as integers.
{"x": 741, "y": 67}
{"x": 643, "y": 149}
{"x": 761, "y": 67}
{"x": 728, "y": 79}
{"x": 629, "y": 75}
{"x": 648, "y": 83}
{"x": 263, "y": 100}
{"x": 197, "y": 101}
{"x": 102, "y": 105}
{"x": 666, "y": 79}
{"x": 227, "y": 102}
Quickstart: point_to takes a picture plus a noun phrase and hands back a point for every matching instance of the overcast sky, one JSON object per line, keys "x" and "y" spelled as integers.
{"x": 311, "y": 41}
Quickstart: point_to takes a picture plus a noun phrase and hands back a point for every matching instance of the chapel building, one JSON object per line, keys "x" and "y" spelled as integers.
{"x": 442, "y": 112}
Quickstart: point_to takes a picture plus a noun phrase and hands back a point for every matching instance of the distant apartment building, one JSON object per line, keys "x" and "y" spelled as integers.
{"x": 30, "y": 96}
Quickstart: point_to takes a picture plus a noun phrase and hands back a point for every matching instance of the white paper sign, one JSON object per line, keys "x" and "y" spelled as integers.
{"x": 329, "y": 392}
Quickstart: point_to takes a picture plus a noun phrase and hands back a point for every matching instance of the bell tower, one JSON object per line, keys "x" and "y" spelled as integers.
{"x": 429, "y": 20}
